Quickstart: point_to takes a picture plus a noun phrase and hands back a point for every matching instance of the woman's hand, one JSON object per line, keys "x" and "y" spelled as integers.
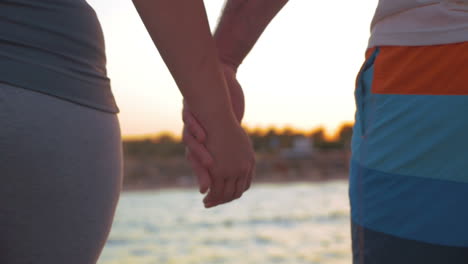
{"x": 224, "y": 162}
{"x": 194, "y": 135}
{"x": 234, "y": 162}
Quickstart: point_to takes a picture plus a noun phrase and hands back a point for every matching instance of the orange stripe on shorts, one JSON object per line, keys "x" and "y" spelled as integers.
{"x": 424, "y": 70}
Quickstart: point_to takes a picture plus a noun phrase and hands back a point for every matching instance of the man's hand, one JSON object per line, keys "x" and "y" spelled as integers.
{"x": 235, "y": 91}
{"x": 194, "y": 137}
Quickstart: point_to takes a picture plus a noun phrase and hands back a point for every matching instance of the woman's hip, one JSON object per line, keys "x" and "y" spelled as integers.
{"x": 61, "y": 173}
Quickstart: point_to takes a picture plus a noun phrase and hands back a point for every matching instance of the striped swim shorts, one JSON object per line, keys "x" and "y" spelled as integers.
{"x": 409, "y": 169}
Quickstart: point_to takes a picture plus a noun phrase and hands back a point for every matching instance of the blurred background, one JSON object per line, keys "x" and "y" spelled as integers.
{"x": 298, "y": 83}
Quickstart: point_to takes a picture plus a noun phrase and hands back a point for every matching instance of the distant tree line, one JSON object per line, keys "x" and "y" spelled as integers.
{"x": 264, "y": 141}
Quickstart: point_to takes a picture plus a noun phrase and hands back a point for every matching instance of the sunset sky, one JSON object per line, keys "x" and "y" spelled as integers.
{"x": 301, "y": 73}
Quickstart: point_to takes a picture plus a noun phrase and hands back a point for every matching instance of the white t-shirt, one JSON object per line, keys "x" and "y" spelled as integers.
{"x": 419, "y": 22}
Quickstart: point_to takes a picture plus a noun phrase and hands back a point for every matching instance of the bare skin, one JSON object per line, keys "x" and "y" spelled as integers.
{"x": 197, "y": 72}
{"x": 194, "y": 135}
{"x": 240, "y": 26}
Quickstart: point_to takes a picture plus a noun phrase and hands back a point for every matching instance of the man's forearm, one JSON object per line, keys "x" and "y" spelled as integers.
{"x": 180, "y": 30}
{"x": 240, "y": 26}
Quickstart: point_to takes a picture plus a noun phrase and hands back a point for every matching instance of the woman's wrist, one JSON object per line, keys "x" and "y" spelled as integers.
{"x": 212, "y": 112}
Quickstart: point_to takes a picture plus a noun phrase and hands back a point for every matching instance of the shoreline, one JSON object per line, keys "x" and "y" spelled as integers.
{"x": 172, "y": 186}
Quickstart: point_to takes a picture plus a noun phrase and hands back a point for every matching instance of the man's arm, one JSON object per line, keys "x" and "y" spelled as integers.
{"x": 241, "y": 24}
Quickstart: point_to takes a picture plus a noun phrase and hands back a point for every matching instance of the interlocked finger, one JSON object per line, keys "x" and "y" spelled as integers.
{"x": 229, "y": 190}
{"x": 203, "y": 176}
{"x": 240, "y": 187}
{"x": 193, "y": 126}
{"x": 197, "y": 149}
{"x": 251, "y": 176}
{"x": 215, "y": 196}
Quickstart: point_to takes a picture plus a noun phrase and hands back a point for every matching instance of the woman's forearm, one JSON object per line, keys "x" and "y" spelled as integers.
{"x": 240, "y": 26}
{"x": 180, "y": 31}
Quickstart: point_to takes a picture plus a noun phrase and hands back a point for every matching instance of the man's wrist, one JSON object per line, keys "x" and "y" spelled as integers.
{"x": 228, "y": 65}
{"x": 231, "y": 51}
{"x": 230, "y": 59}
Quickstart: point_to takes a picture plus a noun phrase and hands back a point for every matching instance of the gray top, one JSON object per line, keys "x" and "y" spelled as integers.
{"x": 55, "y": 47}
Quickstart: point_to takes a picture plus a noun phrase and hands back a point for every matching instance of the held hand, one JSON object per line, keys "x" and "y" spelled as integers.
{"x": 229, "y": 175}
{"x": 235, "y": 91}
{"x": 234, "y": 162}
{"x": 194, "y": 135}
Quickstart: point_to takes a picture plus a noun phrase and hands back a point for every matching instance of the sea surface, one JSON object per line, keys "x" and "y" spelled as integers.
{"x": 295, "y": 223}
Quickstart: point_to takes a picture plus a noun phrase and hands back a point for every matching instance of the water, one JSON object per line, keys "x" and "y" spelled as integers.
{"x": 282, "y": 223}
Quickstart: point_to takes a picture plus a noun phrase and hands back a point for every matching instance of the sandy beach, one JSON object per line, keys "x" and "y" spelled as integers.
{"x": 156, "y": 173}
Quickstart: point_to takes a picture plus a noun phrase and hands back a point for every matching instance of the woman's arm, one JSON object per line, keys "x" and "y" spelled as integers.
{"x": 180, "y": 31}
{"x": 241, "y": 24}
